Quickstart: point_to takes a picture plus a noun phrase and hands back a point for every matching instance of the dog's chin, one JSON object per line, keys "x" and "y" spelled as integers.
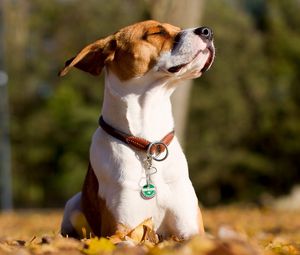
{"x": 200, "y": 63}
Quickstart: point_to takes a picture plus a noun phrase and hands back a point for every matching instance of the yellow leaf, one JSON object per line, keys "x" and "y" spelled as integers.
{"x": 96, "y": 245}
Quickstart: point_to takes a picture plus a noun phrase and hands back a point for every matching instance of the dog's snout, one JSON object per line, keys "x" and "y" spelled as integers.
{"x": 204, "y": 32}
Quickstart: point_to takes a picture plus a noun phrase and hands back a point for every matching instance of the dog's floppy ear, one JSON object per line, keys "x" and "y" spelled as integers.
{"x": 93, "y": 57}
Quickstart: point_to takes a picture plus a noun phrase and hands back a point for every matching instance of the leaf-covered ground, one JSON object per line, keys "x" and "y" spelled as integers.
{"x": 231, "y": 231}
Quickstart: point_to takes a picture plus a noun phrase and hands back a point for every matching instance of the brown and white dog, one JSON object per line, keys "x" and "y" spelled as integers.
{"x": 142, "y": 64}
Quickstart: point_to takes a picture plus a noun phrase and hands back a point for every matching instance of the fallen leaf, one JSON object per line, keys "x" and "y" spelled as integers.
{"x": 140, "y": 234}
{"x": 120, "y": 234}
{"x": 98, "y": 245}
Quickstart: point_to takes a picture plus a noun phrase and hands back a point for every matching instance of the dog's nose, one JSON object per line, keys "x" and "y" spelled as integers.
{"x": 204, "y": 32}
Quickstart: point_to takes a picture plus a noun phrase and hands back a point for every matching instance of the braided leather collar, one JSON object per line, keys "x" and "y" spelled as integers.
{"x": 137, "y": 142}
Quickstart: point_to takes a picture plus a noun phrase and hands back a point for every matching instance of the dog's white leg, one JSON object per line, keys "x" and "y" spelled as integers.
{"x": 72, "y": 208}
{"x": 184, "y": 219}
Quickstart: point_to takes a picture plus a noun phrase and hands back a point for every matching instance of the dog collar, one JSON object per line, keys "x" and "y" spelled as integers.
{"x": 152, "y": 149}
{"x": 138, "y": 142}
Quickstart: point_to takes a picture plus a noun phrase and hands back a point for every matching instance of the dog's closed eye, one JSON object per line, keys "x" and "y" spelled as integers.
{"x": 161, "y": 32}
{"x": 157, "y": 31}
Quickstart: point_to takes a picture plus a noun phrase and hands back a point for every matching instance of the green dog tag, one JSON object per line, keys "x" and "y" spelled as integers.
{"x": 148, "y": 191}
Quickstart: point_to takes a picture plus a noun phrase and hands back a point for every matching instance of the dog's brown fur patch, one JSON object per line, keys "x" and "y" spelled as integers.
{"x": 94, "y": 208}
{"x": 130, "y": 52}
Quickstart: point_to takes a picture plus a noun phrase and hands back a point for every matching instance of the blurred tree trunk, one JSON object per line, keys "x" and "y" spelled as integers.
{"x": 13, "y": 39}
{"x": 185, "y": 14}
{"x": 5, "y": 156}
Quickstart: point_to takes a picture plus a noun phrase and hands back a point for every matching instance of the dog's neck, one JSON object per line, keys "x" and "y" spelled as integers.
{"x": 140, "y": 106}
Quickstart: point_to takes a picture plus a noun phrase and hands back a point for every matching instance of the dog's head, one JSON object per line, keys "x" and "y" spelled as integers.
{"x": 135, "y": 50}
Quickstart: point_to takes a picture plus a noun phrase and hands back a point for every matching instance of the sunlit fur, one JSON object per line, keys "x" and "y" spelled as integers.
{"x": 138, "y": 86}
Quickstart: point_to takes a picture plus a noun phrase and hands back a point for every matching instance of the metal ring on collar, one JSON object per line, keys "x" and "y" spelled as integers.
{"x": 156, "y": 156}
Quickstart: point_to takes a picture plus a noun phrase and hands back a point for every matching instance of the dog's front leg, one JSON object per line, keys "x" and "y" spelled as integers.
{"x": 185, "y": 219}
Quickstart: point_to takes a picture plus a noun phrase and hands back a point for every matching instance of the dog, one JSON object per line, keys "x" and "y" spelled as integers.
{"x": 137, "y": 168}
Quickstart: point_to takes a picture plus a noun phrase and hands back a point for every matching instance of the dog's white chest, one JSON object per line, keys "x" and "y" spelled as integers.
{"x": 121, "y": 174}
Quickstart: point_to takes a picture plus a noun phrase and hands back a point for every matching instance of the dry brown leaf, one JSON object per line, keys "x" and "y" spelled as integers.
{"x": 150, "y": 235}
{"x": 120, "y": 234}
{"x": 144, "y": 232}
{"x": 141, "y": 233}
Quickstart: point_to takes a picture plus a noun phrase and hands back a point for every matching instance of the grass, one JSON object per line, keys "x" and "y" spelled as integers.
{"x": 231, "y": 230}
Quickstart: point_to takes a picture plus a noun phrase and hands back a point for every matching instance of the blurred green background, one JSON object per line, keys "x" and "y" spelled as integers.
{"x": 243, "y": 133}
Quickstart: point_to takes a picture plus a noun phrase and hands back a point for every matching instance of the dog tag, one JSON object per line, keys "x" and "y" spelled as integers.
{"x": 148, "y": 191}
